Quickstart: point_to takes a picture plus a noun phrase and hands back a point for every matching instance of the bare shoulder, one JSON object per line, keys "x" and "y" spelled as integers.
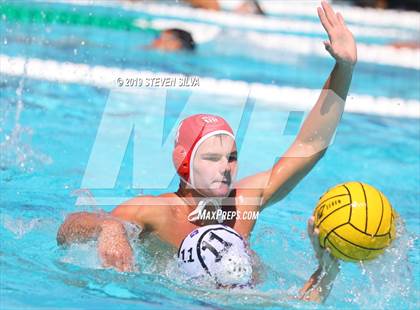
{"x": 146, "y": 211}
{"x": 253, "y": 182}
{"x": 248, "y": 191}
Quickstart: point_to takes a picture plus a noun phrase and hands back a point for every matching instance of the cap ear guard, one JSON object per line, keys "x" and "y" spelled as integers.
{"x": 181, "y": 162}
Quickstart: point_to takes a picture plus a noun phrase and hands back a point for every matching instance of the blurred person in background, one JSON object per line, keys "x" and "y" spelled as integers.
{"x": 205, "y": 4}
{"x": 243, "y": 7}
{"x": 389, "y": 4}
{"x": 173, "y": 39}
{"x": 406, "y": 44}
{"x": 250, "y": 7}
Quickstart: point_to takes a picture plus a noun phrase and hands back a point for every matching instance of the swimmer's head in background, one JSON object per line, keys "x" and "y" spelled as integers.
{"x": 216, "y": 251}
{"x": 174, "y": 39}
{"x": 191, "y": 134}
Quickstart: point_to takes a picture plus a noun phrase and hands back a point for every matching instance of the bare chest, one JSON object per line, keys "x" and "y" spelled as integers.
{"x": 176, "y": 226}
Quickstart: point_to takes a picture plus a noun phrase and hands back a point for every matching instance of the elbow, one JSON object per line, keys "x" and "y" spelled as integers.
{"x": 321, "y": 153}
{"x": 313, "y": 160}
{"x": 309, "y": 150}
{"x": 316, "y": 152}
{"x": 60, "y": 240}
{"x": 61, "y": 236}
{"x": 66, "y": 229}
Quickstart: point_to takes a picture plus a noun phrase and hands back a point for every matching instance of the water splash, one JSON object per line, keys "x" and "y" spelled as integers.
{"x": 15, "y": 146}
{"x": 20, "y": 227}
{"x": 83, "y": 255}
{"x": 387, "y": 279}
{"x": 87, "y": 199}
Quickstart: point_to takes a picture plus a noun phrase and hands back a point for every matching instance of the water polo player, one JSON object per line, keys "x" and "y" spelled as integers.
{"x": 205, "y": 157}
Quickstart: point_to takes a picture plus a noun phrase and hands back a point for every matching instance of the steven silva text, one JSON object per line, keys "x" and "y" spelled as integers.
{"x": 184, "y": 81}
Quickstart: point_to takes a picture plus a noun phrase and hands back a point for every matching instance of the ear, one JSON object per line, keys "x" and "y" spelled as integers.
{"x": 181, "y": 163}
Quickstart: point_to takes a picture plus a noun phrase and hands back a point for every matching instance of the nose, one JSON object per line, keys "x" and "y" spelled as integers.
{"x": 224, "y": 166}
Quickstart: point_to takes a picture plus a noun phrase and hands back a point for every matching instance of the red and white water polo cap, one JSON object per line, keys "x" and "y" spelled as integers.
{"x": 191, "y": 133}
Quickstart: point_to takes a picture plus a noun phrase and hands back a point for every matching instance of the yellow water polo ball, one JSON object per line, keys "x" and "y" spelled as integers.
{"x": 355, "y": 221}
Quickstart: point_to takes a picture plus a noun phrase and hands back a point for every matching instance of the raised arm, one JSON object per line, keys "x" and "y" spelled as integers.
{"x": 318, "y": 129}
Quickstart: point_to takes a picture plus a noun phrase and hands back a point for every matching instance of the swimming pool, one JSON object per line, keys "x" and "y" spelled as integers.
{"x": 50, "y": 120}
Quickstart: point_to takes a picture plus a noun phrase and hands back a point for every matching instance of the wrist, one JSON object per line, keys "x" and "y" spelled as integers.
{"x": 346, "y": 65}
{"x": 112, "y": 225}
{"x": 329, "y": 270}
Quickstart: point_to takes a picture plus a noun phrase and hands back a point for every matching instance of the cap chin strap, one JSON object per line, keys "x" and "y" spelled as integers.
{"x": 215, "y": 202}
{"x": 202, "y": 204}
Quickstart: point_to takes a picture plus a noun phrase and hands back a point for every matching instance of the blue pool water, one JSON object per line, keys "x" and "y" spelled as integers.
{"x": 48, "y": 130}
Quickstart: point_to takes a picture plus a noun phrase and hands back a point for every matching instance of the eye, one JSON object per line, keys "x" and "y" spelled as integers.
{"x": 233, "y": 157}
{"x": 211, "y": 157}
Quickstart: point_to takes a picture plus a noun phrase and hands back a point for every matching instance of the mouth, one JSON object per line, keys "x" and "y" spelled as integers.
{"x": 226, "y": 182}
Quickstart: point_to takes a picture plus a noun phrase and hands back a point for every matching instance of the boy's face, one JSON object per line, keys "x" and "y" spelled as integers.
{"x": 215, "y": 166}
{"x": 167, "y": 41}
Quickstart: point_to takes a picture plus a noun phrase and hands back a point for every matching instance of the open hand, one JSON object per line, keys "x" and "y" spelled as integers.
{"x": 341, "y": 44}
{"x": 114, "y": 248}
